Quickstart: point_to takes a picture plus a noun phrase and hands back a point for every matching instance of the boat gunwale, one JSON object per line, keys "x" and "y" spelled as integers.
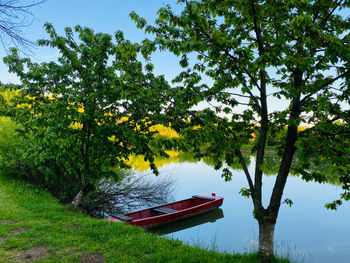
{"x": 217, "y": 199}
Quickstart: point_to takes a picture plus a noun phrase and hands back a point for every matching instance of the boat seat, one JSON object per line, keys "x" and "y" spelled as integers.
{"x": 164, "y": 210}
{"x": 203, "y": 197}
{"x": 123, "y": 217}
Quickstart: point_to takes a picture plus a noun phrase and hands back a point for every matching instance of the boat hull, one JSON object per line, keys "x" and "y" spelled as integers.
{"x": 172, "y": 212}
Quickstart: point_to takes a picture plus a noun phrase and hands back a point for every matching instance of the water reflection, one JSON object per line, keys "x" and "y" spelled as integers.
{"x": 270, "y": 166}
{"x": 140, "y": 165}
{"x": 209, "y": 217}
{"x": 307, "y": 227}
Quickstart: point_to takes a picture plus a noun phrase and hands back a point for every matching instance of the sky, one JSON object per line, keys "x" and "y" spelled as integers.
{"x": 105, "y": 16}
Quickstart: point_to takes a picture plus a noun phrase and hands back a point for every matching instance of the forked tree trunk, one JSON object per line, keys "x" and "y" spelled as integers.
{"x": 266, "y": 240}
{"x": 77, "y": 199}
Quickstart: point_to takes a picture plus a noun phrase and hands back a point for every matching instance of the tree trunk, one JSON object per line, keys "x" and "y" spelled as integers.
{"x": 266, "y": 240}
{"x": 85, "y": 189}
{"x": 77, "y": 199}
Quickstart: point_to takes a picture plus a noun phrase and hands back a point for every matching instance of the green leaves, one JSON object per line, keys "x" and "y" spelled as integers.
{"x": 93, "y": 108}
{"x": 333, "y": 205}
{"x": 245, "y": 192}
{"x": 226, "y": 174}
{"x": 288, "y": 202}
{"x": 294, "y": 50}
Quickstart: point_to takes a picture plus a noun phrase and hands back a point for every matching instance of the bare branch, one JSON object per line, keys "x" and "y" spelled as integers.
{"x": 236, "y": 94}
{"x": 14, "y": 16}
{"x": 134, "y": 192}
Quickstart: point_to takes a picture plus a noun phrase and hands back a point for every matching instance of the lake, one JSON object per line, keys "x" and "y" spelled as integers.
{"x": 306, "y": 232}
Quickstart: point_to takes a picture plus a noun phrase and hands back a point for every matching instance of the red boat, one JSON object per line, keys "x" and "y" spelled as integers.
{"x": 168, "y": 213}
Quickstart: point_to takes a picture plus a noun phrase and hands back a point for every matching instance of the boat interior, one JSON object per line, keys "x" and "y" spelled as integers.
{"x": 170, "y": 208}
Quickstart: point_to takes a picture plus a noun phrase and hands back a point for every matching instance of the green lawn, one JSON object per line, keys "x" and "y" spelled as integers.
{"x": 33, "y": 225}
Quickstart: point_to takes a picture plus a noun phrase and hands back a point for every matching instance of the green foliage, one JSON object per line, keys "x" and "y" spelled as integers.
{"x": 288, "y": 202}
{"x": 324, "y": 155}
{"x": 296, "y": 51}
{"x": 15, "y": 162}
{"x": 90, "y": 110}
{"x": 245, "y": 192}
{"x": 10, "y": 148}
{"x": 298, "y": 48}
{"x": 2, "y": 104}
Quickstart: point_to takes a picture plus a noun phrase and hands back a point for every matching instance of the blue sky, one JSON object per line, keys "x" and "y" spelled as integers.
{"x": 105, "y": 16}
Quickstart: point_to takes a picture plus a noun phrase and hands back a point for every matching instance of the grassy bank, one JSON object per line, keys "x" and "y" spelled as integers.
{"x": 35, "y": 227}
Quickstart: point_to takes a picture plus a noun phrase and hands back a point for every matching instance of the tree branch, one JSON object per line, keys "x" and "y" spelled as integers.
{"x": 323, "y": 86}
{"x": 15, "y": 16}
{"x": 225, "y": 50}
{"x": 324, "y": 20}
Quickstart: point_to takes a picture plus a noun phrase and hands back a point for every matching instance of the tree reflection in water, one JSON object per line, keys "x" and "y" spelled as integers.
{"x": 270, "y": 166}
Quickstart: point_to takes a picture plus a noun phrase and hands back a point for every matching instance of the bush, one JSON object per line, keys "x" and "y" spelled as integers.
{"x": 11, "y": 148}
{"x": 129, "y": 193}
{"x": 16, "y": 160}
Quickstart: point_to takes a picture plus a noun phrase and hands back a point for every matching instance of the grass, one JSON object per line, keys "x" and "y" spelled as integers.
{"x": 30, "y": 217}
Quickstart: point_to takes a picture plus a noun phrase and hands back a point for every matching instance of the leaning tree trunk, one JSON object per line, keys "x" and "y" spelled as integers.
{"x": 266, "y": 240}
{"x": 77, "y": 199}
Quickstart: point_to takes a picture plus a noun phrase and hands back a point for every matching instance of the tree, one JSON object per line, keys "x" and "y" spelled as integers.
{"x": 14, "y": 16}
{"x": 296, "y": 51}
{"x": 90, "y": 110}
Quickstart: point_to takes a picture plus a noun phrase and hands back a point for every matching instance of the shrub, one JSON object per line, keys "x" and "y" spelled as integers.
{"x": 16, "y": 161}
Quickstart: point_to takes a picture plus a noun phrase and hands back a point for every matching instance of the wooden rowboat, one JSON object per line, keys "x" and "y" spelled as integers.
{"x": 168, "y": 213}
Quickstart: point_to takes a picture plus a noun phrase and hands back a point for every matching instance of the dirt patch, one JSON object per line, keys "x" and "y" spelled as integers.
{"x": 92, "y": 258}
{"x": 19, "y": 230}
{"x": 8, "y": 222}
{"x": 33, "y": 253}
{"x": 2, "y": 239}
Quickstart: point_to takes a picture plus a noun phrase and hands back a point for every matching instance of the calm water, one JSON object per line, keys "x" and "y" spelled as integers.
{"x": 306, "y": 231}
